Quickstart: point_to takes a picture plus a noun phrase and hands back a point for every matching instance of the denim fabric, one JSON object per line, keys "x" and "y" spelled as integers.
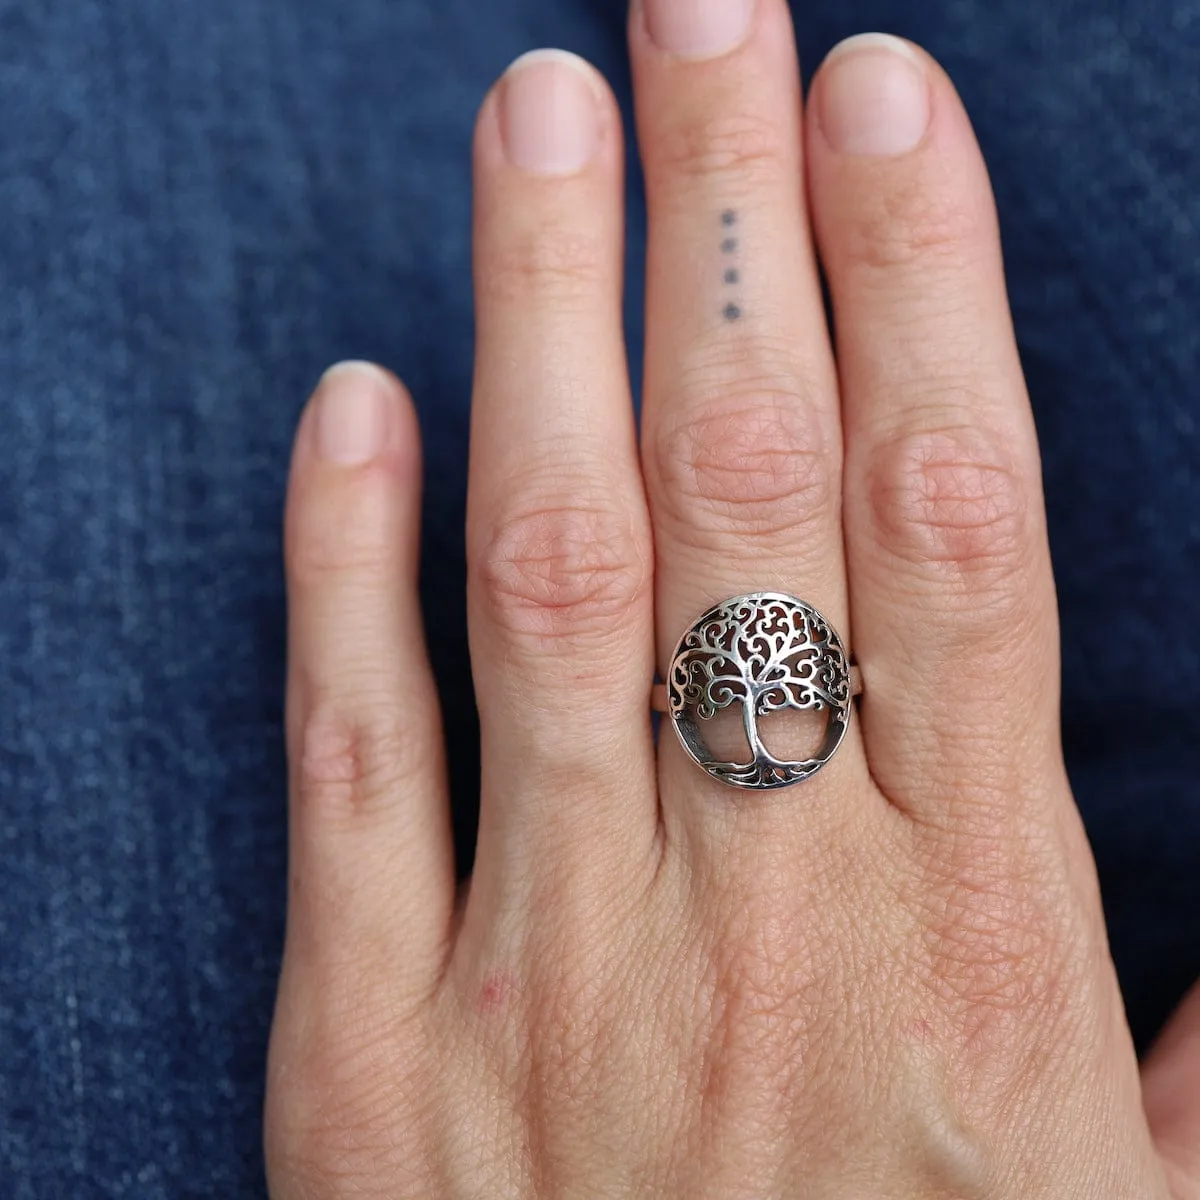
{"x": 204, "y": 202}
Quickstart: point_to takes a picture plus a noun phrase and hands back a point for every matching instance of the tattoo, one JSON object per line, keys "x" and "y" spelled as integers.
{"x": 733, "y": 275}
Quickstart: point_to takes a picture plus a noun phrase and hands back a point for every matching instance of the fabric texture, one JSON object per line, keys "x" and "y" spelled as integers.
{"x": 202, "y": 204}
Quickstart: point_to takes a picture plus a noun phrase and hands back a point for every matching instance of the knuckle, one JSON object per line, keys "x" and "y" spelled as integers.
{"x": 949, "y": 502}
{"x": 1003, "y": 952}
{"x": 989, "y": 955}
{"x": 572, "y": 1026}
{"x": 900, "y": 226}
{"x": 338, "y": 1119}
{"x": 755, "y": 463}
{"x": 554, "y": 262}
{"x": 570, "y": 1017}
{"x": 327, "y": 1148}
{"x": 761, "y": 994}
{"x": 574, "y": 568}
{"x": 751, "y": 148}
{"x": 352, "y": 755}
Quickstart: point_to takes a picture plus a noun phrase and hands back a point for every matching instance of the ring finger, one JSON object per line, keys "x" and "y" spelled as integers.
{"x": 742, "y": 435}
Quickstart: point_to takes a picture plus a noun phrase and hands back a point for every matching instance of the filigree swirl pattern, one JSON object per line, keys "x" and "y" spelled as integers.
{"x": 767, "y": 652}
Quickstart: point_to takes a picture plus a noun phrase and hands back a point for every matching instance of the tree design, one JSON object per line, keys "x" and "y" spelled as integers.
{"x": 767, "y": 652}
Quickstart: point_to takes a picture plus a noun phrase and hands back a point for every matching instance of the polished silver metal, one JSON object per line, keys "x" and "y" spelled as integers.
{"x": 765, "y": 651}
{"x": 660, "y": 702}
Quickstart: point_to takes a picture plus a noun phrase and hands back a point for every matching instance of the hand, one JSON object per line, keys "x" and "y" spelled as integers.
{"x": 890, "y": 980}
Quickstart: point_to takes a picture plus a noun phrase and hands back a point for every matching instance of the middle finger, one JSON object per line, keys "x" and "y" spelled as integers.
{"x": 742, "y": 435}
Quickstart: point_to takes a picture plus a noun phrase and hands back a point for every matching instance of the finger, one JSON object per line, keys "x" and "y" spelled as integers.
{"x": 372, "y": 856}
{"x": 953, "y": 599}
{"x": 557, "y": 532}
{"x": 1171, "y": 1092}
{"x": 741, "y": 437}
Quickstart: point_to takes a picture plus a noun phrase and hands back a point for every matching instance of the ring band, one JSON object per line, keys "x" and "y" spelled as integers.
{"x": 766, "y": 652}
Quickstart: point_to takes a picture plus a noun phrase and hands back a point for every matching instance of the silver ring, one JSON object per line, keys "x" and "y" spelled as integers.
{"x": 766, "y": 652}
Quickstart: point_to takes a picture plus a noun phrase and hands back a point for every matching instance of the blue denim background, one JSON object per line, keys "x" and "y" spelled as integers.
{"x": 204, "y": 202}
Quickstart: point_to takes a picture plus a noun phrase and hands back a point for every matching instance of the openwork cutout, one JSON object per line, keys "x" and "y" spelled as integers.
{"x": 766, "y": 652}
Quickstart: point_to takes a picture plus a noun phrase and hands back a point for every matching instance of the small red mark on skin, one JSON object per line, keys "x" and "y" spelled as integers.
{"x": 921, "y": 1030}
{"x": 494, "y": 994}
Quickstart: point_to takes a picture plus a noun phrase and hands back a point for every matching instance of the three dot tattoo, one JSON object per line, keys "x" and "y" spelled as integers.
{"x": 733, "y": 274}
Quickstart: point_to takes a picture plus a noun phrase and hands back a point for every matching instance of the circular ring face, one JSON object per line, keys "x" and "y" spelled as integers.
{"x": 764, "y": 652}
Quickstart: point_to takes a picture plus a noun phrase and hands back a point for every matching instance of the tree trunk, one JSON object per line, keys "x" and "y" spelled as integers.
{"x": 758, "y": 751}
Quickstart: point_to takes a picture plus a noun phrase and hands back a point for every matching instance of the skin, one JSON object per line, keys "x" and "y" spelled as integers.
{"x": 892, "y": 981}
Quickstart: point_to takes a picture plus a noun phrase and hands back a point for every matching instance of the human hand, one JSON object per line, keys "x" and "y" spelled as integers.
{"x": 890, "y": 980}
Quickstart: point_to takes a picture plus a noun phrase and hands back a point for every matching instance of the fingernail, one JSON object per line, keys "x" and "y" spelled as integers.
{"x": 698, "y": 28}
{"x": 550, "y": 113}
{"x": 874, "y": 96}
{"x": 352, "y": 413}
